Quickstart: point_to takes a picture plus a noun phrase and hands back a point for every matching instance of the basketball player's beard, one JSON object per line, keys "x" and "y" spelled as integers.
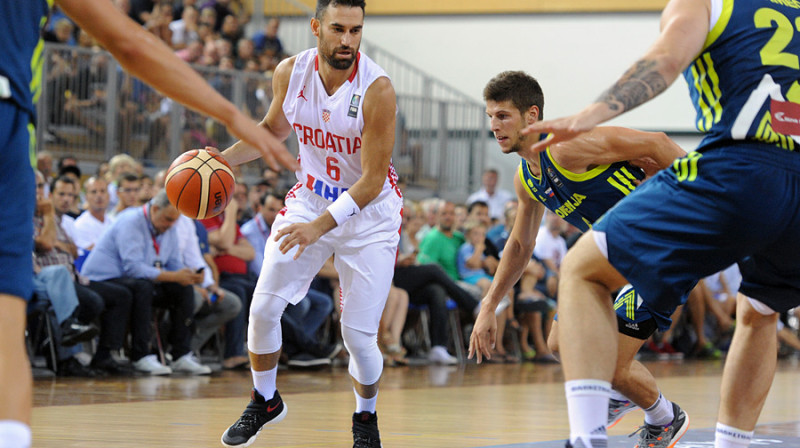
{"x": 340, "y": 64}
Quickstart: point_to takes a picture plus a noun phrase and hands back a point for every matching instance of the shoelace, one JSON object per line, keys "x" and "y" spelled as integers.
{"x": 247, "y": 419}
{"x": 648, "y": 438}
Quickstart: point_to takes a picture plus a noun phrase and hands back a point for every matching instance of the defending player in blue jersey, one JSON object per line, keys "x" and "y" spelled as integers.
{"x": 579, "y": 181}
{"x": 733, "y": 200}
{"x": 20, "y": 79}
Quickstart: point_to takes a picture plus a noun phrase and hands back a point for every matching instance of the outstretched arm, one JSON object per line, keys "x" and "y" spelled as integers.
{"x": 516, "y": 255}
{"x": 146, "y": 57}
{"x": 684, "y": 27}
{"x": 602, "y": 145}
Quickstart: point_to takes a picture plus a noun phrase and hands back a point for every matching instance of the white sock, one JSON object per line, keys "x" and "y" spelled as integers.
{"x": 264, "y": 382}
{"x": 14, "y": 434}
{"x": 365, "y": 404}
{"x": 587, "y": 406}
{"x": 660, "y": 413}
{"x": 730, "y": 437}
{"x": 616, "y": 395}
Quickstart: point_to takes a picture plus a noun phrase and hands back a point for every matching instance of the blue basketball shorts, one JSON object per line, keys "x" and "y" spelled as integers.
{"x": 727, "y": 204}
{"x": 18, "y": 187}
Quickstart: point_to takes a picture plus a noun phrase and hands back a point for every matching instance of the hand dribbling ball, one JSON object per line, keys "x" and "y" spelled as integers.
{"x": 200, "y": 183}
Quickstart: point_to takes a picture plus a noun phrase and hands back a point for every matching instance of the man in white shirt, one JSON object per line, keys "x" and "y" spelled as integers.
{"x": 93, "y": 222}
{"x": 490, "y": 194}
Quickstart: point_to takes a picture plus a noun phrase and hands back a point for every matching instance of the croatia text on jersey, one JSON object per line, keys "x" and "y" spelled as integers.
{"x": 321, "y": 139}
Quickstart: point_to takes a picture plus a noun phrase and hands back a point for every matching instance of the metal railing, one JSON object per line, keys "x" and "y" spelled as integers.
{"x": 92, "y": 109}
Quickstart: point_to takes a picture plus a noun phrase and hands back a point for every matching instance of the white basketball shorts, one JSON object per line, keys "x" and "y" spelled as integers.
{"x": 364, "y": 249}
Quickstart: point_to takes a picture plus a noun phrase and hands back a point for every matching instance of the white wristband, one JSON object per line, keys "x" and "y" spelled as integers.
{"x": 343, "y": 208}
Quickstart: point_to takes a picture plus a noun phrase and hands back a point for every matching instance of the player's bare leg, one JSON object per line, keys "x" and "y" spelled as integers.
{"x": 15, "y": 374}
{"x": 748, "y": 373}
{"x": 588, "y": 335}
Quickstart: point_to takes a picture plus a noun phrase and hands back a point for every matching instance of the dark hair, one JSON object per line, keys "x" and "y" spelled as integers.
{"x": 475, "y": 204}
{"x": 70, "y": 169}
{"x": 277, "y": 194}
{"x": 520, "y": 88}
{"x": 63, "y": 179}
{"x": 127, "y": 176}
{"x": 322, "y": 5}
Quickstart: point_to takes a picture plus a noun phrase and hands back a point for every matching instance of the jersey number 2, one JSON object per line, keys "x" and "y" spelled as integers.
{"x": 772, "y": 53}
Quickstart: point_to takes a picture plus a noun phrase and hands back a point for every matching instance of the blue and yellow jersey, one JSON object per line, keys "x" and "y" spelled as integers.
{"x": 580, "y": 199}
{"x": 748, "y": 73}
{"x": 21, "y": 22}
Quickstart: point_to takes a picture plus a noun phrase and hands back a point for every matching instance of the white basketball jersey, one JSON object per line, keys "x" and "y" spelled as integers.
{"x": 329, "y": 127}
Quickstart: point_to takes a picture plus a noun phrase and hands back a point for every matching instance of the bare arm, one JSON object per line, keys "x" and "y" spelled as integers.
{"x": 684, "y": 27}
{"x": 274, "y": 121}
{"x": 145, "y": 56}
{"x": 242, "y": 249}
{"x": 224, "y": 238}
{"x": 609, "y": 144}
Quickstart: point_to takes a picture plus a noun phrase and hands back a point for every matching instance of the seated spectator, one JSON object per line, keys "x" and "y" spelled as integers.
{"x": 495, "y": 197}
{"x": 551, "y": 248}
{"x": 391, "y": 326}
{"x": 232, "y": 252}
{"x": 471, "y": 259}
{"x": 120, "y": 163}
{"x": 128, "y": 188}
{"x": 241, "y": 193}
{"x": 268, "y": 38}
{"x": 54, "y": 284}
{"x": 93, "y": 222}
{"x": 140, "y": 251}
{"x": 146, "y": 190}
{"x": 54, "y": 247}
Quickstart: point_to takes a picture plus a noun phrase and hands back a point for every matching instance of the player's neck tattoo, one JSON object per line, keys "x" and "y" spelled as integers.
{"x": 639, "y": 84}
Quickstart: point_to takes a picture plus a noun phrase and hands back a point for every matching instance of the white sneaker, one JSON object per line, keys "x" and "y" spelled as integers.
{"x": 189, "y": 363}
{"x": 439, "y": 355}
{"x": 149, "y": 364}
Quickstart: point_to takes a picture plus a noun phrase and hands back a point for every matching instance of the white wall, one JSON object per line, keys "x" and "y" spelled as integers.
{"x": 574, "y": 56}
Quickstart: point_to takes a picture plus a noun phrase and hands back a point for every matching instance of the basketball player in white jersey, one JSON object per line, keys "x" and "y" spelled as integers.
{"x": 342, "y": 107}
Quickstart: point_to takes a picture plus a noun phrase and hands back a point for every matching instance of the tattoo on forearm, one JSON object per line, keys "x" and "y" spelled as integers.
{"x": 639, "y": 84}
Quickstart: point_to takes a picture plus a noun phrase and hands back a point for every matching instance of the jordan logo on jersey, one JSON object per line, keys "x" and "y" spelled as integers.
{"x": 300, "y": 95}
{"x": 326, "y": 115}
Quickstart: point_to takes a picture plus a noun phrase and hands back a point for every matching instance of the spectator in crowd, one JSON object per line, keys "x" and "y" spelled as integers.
{"x": 430, "y": 209}
{"x": 44, "y": 163}
{"x": 216, "y": 307}
{"x": 245, "y": 51}
{"x": 490, "y": 194}
{"x": 140, "y": 251}
{"x": 120, "y": 163}
{"x": 551, "y": 248}
{"x": 128, "y": 188}
{"x": 268, "y": 38}
{"x": 257, "y": 229}
{"x": 390, "y": 330}
{"x": 230, "y": 29}
{"x": 93, "y": 222}
{"x": 232, "y": 252}
{"x": 184, "y": 30}
{"x": 55, "y": 248}
{"x": 54, "y": 285}
{"x": 146, "y": 189}
{"x": 241, "y": 194}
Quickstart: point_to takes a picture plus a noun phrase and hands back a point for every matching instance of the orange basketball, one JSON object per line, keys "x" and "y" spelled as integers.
{"x": 200, "y": 184}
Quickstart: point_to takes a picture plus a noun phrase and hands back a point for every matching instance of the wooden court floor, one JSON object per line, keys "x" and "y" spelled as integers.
{"x": 420, "y": 407}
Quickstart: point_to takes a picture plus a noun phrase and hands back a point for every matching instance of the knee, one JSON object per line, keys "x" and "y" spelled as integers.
{"x": 266, "y": 311}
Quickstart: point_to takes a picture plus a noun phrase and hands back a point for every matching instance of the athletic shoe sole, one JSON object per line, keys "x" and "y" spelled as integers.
{"x": 253, "y": 439}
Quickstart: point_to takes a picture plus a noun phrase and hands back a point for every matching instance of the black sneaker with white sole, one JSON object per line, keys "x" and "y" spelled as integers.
{"x": 365, "y": 430}
{"x": 259, "y": 413}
